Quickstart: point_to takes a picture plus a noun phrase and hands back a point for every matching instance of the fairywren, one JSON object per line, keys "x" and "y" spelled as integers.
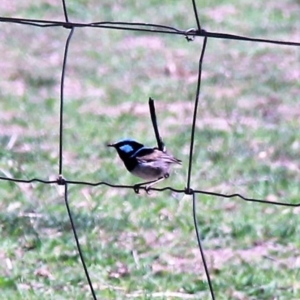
{"x": 148, "y": 163}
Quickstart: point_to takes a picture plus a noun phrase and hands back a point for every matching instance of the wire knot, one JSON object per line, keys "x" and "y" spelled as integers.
{"x": 60, "y": 180}
{"x": 188, "y": 191}
{"x": 190, "y": 34}
{"x": 68, "y": 26}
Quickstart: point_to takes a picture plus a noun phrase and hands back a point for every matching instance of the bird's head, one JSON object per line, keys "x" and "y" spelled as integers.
{"x": 126, "y": 147}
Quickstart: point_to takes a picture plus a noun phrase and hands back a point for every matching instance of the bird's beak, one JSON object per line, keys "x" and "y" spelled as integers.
{"x": 110, "y": 145}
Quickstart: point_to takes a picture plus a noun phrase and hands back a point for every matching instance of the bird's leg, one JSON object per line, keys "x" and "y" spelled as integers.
{"x": 147, "y": 187}
{"x": 156, "y": 181}
{"x": 149, "y": 183}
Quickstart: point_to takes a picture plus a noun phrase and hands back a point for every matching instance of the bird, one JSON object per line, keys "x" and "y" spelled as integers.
{"x": 148, "y": 163}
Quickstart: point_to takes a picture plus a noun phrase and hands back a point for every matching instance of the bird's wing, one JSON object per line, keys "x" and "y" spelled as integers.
{"x": 153, "y": 154}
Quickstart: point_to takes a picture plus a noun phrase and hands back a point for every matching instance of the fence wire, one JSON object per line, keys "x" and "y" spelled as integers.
{"x": 190, "y": 34}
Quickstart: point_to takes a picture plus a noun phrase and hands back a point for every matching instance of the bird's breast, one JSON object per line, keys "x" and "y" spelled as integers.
{"x": 149, "y": 171}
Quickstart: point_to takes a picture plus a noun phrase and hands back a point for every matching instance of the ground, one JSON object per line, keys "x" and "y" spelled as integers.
{"x": 144, "y": 246}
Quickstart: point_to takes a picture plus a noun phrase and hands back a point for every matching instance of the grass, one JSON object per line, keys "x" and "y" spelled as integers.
{"x": 140, "y": 246}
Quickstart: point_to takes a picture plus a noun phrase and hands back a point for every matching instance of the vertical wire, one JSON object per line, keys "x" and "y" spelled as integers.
{"x": 201, "y": 248}
{"x": 65, "y": 10}
{"x": 77, "y": 243}
{"x": 61, "y": 150}
{"x": 195, "y": 113}
{"x": 196, "y": 15}
{"x": 61, "y": 110}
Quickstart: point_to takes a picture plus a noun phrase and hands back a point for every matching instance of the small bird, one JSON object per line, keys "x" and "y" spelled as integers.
{"x": 148, "y": 163}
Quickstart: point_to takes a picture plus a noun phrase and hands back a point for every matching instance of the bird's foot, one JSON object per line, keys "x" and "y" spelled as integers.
{"x": 136, "y": 188}
{"x": 144, "y": 185}
{"x": 149, "y": 184}
{"x": 147, "y": 189}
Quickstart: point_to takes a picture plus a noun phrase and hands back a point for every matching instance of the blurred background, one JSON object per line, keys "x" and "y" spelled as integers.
{"x": 142, "y": 246}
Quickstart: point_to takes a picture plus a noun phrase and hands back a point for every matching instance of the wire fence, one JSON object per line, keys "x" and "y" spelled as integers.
{"x": 190, "y": 34}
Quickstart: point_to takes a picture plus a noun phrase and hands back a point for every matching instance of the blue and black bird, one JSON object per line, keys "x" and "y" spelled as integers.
{"x": 148, "y": 163}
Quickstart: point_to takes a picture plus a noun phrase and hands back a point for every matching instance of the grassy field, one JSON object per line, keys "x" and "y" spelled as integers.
{"x": 144, "y": 246}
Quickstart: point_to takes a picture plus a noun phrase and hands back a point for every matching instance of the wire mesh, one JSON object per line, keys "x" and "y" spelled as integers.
{"x": 190, "y": 34}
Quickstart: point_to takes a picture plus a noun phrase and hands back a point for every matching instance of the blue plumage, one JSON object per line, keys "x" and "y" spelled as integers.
{"x": 126, "y": 148}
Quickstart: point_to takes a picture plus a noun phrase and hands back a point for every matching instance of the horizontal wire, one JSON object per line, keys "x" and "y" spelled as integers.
{"x": 17, "y": 180}
{"x": 62, "y": 181}
{"x": 145, "y": 27}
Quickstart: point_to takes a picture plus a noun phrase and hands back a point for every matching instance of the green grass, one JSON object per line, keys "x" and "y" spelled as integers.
{"x": 144, "y": 246}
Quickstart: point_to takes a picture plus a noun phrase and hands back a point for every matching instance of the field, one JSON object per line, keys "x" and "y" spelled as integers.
{"x": 140, "y": 246}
